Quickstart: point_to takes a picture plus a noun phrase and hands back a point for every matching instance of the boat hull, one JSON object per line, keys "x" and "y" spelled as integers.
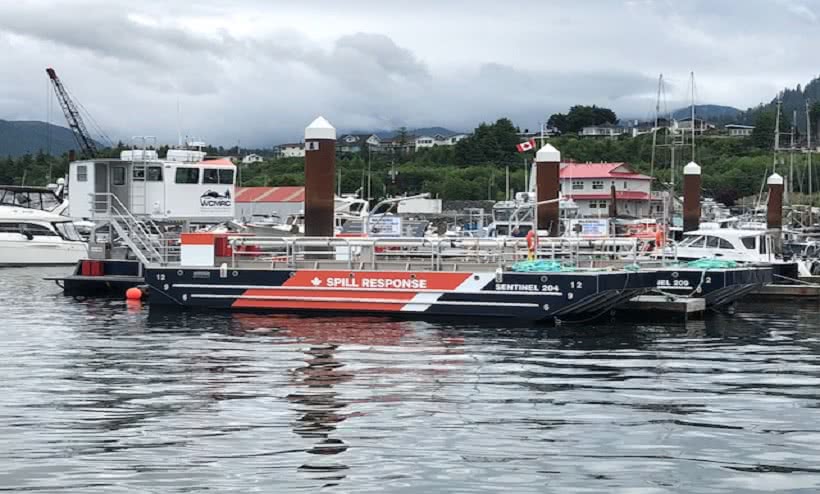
{"x": 522, "y": 296}
{"x": 718, "y": 287}
{"x": 36, "y": 252}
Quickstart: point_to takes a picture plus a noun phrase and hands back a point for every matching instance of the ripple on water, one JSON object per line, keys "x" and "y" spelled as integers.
{"x": 101, "y": 397}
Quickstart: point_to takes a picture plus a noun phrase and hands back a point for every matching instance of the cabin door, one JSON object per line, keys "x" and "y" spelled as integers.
{"x": 120, "y": 184}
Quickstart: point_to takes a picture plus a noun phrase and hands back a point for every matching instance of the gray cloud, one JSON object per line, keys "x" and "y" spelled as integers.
{"x": 252, "y": 71}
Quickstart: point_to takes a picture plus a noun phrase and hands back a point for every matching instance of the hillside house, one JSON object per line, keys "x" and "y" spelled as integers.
{"x": 603, "y": 130}
{"x": 737, "y": 130}
{"x": 293, "y": 150}
{"x": 252, "y": 158}
{"x": 356, "y": 143}
{"x": 589, "y": 185}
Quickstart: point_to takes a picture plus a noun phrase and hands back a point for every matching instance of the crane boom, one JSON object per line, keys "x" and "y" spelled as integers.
{"x": 88, "y": 148}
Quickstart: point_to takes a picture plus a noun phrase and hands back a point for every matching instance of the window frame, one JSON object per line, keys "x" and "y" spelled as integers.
{"x": 82, "y": 173}
{"x": 187, "y": 170}
{"x": 116, "y": 179}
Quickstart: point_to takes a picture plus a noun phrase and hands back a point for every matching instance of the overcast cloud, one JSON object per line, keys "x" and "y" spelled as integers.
{"x": 258, "y": 71}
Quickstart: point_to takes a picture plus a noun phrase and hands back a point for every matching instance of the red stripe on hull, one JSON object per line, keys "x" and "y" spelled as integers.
{"x": 330, "y": 305}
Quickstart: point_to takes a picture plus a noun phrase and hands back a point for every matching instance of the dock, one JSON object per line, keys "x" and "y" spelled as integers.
{"x": 104, "y": 285}
{"x": 801, "y": 291}
{"x": 687, "y": 307}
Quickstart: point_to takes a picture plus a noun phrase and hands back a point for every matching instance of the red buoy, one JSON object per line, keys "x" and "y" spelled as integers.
{"x": 133, "y": 293}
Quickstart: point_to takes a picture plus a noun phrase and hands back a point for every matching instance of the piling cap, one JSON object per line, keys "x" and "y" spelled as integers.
{"x": 320, "y": 129}
{"x": 775, "y": 179}
{"x": 548, "y": 154}
{"x": 691, "y": 168}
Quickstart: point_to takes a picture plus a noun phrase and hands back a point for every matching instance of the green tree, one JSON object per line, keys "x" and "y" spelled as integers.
{"x": 581, "y": 116}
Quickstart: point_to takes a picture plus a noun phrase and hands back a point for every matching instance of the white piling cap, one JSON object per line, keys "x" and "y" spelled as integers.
{"x": 320, "y": 129}
{"x": 691, "y": 168}
{"x": 775, "y": 179}
{"x": 548, "y": 154}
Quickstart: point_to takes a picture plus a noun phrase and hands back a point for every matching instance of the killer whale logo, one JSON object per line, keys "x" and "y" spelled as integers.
{"x": 213, "y": 199}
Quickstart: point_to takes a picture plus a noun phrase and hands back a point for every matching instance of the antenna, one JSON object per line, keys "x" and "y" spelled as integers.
{"x": 179, "y": 125}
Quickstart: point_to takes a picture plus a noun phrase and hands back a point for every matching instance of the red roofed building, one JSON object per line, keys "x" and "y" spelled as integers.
{"x": 267, "y": 201}
{"x": 589, "y": 185}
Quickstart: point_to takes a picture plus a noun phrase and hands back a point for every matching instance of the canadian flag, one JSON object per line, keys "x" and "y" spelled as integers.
{"x": 526, "y": 146}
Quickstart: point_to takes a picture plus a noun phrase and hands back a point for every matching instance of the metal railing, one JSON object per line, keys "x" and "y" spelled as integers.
{"x": 148, "y": 246}
{"x": 435, "y": 254}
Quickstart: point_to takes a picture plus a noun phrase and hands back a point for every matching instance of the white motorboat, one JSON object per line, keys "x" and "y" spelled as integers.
{"x": 37, "y": 237}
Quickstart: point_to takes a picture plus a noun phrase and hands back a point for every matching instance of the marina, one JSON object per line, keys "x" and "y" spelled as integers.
{"x": 366, "y": 247}
{"x": 548, "y": 276}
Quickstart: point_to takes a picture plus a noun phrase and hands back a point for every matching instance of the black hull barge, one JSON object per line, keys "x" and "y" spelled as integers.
{"x": 399, "y": 276}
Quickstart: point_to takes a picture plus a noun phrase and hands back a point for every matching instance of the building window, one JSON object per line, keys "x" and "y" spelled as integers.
{"x": 187, "y": 176}
{"x": 577, "y": 185}
{"x": 597, "y": 184}
{"x": 626, "y": 185}
{"x": 82, "y": 173}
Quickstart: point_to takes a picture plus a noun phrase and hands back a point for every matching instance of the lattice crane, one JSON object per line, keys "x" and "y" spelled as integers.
{"x": 88, "y": 148}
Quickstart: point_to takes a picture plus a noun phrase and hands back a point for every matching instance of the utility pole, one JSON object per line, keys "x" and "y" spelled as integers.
{"x": 693, "y": 115}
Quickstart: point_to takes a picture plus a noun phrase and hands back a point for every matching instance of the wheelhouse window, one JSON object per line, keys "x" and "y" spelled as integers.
{"x": 693, "y": 241}
{"x": 724, "y": 244}
{"x": 226, "y": 177}
{"x": 67, "y": 230}
{"x": 748, "y": 242}
{"x": 82, "y": 173}
{"x": 27, "y": 229}
{"x": 187, "y": 176}
{"x": 217, "y": 176}
{"x": 154, "y": 174}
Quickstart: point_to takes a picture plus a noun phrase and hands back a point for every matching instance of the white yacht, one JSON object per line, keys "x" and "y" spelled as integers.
{"x": 742, "y": 246}
{"x": 37, "y": 237}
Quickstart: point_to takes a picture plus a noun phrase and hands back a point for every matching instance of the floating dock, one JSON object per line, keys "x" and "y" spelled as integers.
{"x": 687, "y": 307}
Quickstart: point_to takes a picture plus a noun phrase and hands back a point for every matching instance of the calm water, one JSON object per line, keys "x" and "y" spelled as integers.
{"x": 101, "y": 397}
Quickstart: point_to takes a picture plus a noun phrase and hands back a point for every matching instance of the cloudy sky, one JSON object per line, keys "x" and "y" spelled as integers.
{"x": 259, "y": 70}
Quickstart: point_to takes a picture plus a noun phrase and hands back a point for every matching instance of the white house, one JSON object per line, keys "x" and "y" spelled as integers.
{"x": 590, "y": 187}
{"x": 737, "y": 130}
{"x": 355, "y": 143}
{"x": 701, "y": 126}
{"x": 603, "y": 130}
{"x": 438, "y": 140}
{"x": 252, "y": 158}
{"x": 453, "y": 140}
{"x": 294, "y": 150}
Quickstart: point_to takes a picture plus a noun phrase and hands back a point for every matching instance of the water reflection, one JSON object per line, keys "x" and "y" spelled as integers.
{"x": 100, "y": 396}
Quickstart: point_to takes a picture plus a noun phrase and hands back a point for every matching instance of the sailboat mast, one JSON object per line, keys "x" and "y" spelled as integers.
{"x": 808, "y": 146}
{"x": 655, "y": 129}
{"x": 790, "y": 186}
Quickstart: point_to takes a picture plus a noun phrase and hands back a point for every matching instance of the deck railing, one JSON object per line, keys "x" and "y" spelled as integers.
{"x": 434, "y": 254}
